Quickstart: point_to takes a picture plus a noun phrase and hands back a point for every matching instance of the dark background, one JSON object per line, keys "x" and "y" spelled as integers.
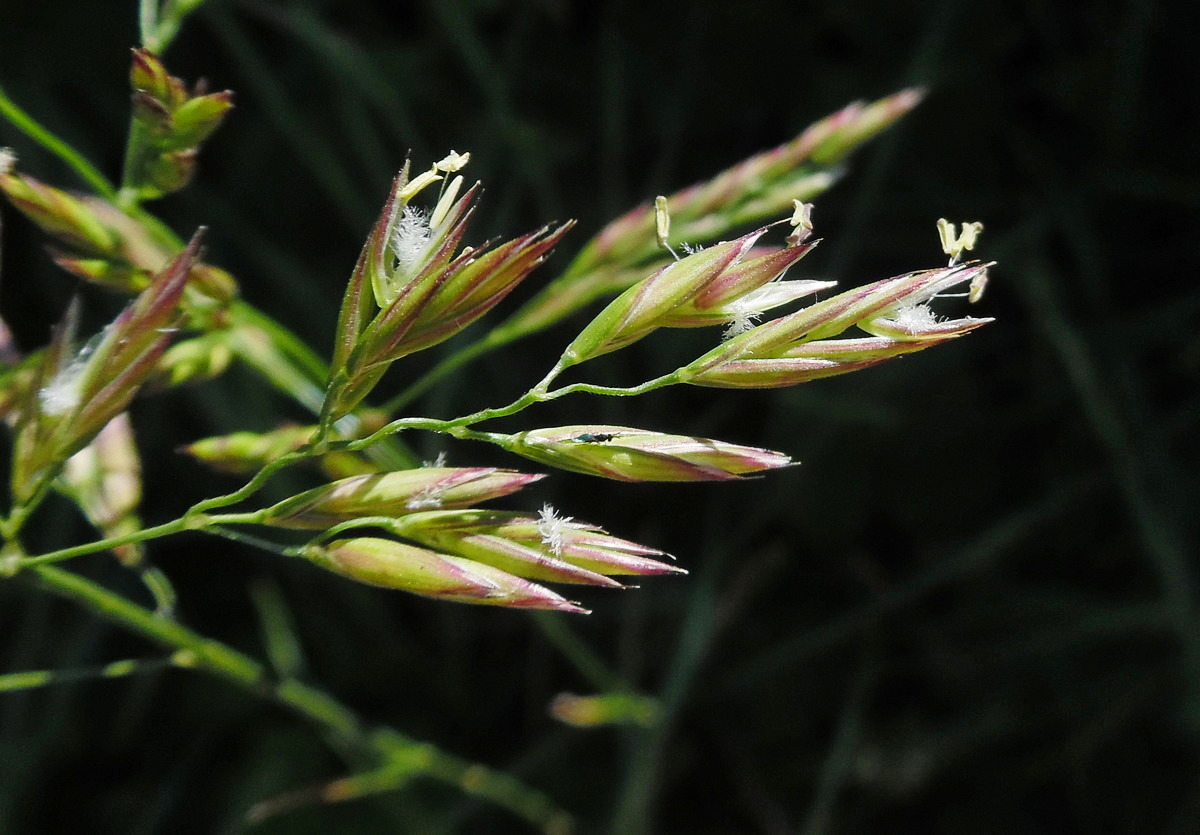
{"x": 971, "y": 609}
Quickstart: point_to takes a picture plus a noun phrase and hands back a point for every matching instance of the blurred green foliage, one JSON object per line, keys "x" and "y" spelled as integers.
{"x": 973, "y": 608}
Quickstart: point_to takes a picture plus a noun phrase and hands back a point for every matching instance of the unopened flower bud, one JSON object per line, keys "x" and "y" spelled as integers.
{"x": 916, "y": 323}
{"x": 170, "y": 123}
{"x": 413, "y": 287}
{"x": 152, "y": 115}
{"x": 395, "y": 565}
{"x": 548, "y": 547}
{"x": 114, "y": 273}
{"x": 213, "y": 282}
{"x": 170, "y": 171}
{"x": 246, "y": 452}
{"x": 834, "y": 137}
{"x": 78, "y": 395}
{"x": 514, "y": 557}
{"x": 17, "y": 377}
{"x": 147, "y": 74}
{"x": 192, "y": 360}
{"x": 754, "y": 189}
{"x": 834, "y": 315}
{"x": 604, "y": 709}
{"x": 136, "y": 257}
{"x": 627, "y": 454}
{"x": 395, "y": 494}
{"x": 749, "y": 285}
{"x": 794, "y": 348}
{"x": 809, "y": 361}
{"x": 198, "y": 118}
{"x": 648, "y": 305}
{"x": 59, "y": 214}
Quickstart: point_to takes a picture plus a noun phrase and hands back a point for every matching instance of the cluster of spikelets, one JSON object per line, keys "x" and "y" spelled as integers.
{"x": 454, "y": 550}
{"x": 416, "y": 284}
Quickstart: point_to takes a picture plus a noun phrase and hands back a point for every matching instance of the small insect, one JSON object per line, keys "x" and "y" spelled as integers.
{"x": 590, "y": 438}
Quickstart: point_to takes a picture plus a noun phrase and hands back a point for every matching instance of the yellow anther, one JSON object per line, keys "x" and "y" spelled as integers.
{"x": 801, "y": 222}
{"x": 445, "y": 202}
{"x": 801, "y": 215}
{"x": 954, "y": 244}
{"x": 662, "y": 224}
{"x": 662, "y": 220}
{"x": 419, "y": 184}
{"x": 452, "y": 162}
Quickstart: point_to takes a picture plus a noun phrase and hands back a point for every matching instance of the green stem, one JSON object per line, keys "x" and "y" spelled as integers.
{"x": 104, "y": 544}
{"x": 201, "y": 653}
{"x": 445, "y": 368}
{"x": 399, "y": 425}
{"x": 162, "y": 234}
{"x": 581, "y": 656}
{"x": 253, "y": 485}
{"x": 537, "y": 394}
{"x": 147, "y": 20}
{"x": 384, "y": 746}
{"x": 29, "y": 126}
{"x": 128, "y": 198}
{"x": 292, "y": 346}
{"x": 160, "y": 588}
{"x": 458, "y": 427}
{"x": 650, "y": 385}
{"x": 116, "y": 669}
{"x": 10, "y": 528}
{"x": 248, "y": 539}
{"x": 158, "y": 31}
{"x": 386, "y": 522}
{"x": 270, "y": 349}
{"x": 541, "y": 393}
{"x": 197, "y": 516}
{"x": 520, "y": 404}
{"x": 192, "y": 520}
